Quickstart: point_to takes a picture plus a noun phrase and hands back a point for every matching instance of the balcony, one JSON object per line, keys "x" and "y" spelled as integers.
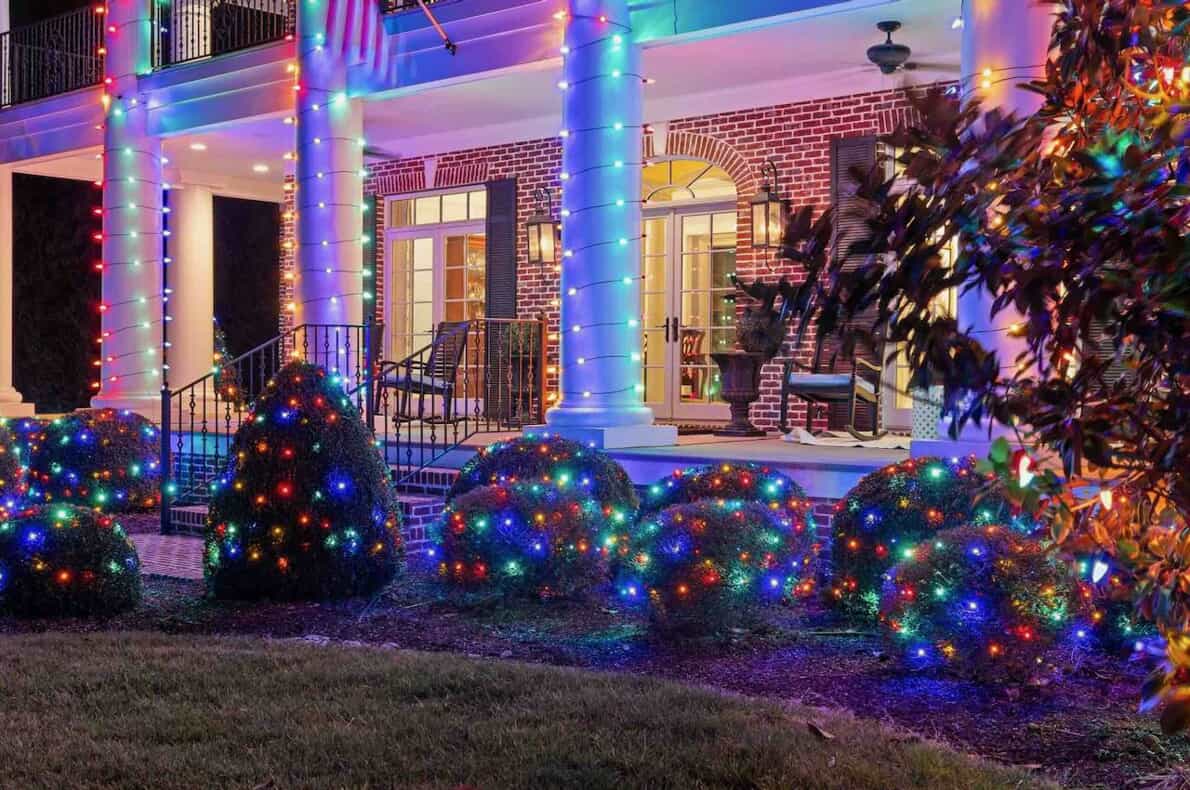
{"x": 397, "y": 6}
{"x": 191, "y": 30}
{"x": 50, "y": 57}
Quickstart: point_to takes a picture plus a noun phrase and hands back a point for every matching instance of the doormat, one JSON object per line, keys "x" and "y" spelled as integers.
{"x": 685, "y": 429}
{"x": 889, "y": 441}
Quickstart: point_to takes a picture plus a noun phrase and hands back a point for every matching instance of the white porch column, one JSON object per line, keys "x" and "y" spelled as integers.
{"x": 328, "y": 283}
{"x": 1005, "y": 43}
{"x": 192, "y": 283}
{"x": 601, "y": 372}
{"x": 10, "y": 399}
{"x": 132, "y": 229}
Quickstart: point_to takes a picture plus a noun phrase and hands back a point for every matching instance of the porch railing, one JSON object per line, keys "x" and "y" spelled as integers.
{"x": 396, "y": 6}
{"x": 199, "y": 420}
{"x": 54, "y": 56}
{"x": 427, "y": 405}
{"x": 189, "y": 30}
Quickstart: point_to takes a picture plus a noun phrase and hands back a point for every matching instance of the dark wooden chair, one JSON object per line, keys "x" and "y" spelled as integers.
{"x": 694, "y": 362}
{"x": 837, "y": 377}
{"x": 433, "y": 371}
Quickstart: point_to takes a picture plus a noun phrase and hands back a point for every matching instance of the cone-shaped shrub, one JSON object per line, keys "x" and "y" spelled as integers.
{"x": 523, "y": 539}
{"x": 981, "y": 600}
{"x": 893, "y": 509}
{"x": 305, "y": 509}
{"x": 710, "y": 565}
{"x": 12, "y": 472}
{"x": 551, "y": 460}
{"x": 63, "y": 560}
{"x": 99, "y": 458}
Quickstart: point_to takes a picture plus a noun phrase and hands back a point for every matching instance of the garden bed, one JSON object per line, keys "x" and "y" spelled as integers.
{"x": 1082, "y": 729}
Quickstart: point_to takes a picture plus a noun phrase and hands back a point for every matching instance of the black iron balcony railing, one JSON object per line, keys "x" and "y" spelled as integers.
{"x": 189, "y": 30}
{"x": 395, "y": 6}
{"x": 56, "y": 55}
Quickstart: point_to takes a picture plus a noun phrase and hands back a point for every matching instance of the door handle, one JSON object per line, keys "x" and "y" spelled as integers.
{"x": 667, "y": 329}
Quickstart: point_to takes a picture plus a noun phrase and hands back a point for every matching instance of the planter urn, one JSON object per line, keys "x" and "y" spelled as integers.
{"x": 740, "y": 378}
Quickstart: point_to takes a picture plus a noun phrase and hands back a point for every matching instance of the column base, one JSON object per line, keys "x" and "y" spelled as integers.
{"x": 17, "y": 409}
{"x": 613, "y": 437}
{"x": 147, "y": 406}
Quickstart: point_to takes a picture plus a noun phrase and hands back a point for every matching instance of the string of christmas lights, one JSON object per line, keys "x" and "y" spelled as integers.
{"x": 13, "y": 487}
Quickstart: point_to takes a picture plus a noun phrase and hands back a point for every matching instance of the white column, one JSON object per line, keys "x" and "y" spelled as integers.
{"x": 1004, "y": 43}
{"x": 601, "y": 371}
{"x": 328, "y": 283}
{"x": 10, "y": 399}
{"x": 192, "y": 284}
{"x": 132, "y": 227}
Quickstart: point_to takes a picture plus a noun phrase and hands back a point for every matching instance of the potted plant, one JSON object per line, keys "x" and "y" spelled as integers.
{"x": 760, "y": 333}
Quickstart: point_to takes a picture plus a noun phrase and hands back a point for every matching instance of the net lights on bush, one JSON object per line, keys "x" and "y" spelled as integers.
{"x": 530, "y": 538}
{"x": 63, "y": 560}
{"x": 982, "y": 598}
{"x": 709, "y": 564}
{"x": 13, "y": 487}
{"x": 884, "y": 518}
{"x": 600, "y": 178}
{"x": 306, "y": 508}
{"x": 743, "y": 482}
{"x": 106, "y": 459}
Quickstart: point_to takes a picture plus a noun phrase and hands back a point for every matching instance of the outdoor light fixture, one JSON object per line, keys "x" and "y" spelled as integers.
{"x": 543, "y": 231}
{"x": 768, "y": 211}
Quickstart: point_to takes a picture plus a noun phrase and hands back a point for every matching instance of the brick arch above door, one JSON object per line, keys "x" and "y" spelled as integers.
{"x": 713, "y": 150}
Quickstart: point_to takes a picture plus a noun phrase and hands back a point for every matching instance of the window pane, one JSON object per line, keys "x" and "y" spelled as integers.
{"x": 454, "y": 207}
{"x": 479, "y": 203}
{"x": 427, "y": 210}
{"x": 400, "y": 213}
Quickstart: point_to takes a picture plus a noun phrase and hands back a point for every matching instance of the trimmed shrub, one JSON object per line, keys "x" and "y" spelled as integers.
{"x": 552, "y": 460}
{"x": 523, "y": 539}
{"x": 306, "y": 509}
{"x": 982, "y": 600}
{"x": 100, "y": 458}
{"x": 65, "y": 560}
{"x": 893, "y": 509}
{"x": 710, "y": 565}
{"x": 744, "y": 482}
{"x": 1110, "y": 591}
{"x": 12, "y": 471}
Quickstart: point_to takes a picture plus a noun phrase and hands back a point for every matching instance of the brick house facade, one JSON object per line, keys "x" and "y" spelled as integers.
{"x": 796, "y": 136}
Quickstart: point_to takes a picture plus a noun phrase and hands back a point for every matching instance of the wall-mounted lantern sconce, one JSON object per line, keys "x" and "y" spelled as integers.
{"x": 768, "y": 211}
{"x": 543, "y": 231}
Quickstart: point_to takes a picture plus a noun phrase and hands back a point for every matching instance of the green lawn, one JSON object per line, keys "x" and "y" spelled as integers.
{"x": 140, "y": 710}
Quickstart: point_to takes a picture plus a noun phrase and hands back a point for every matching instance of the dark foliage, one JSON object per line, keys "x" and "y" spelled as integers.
{"x": 12, "y": 472}
{"x": 100, "y": 458}
{"x": 983, "y": 601}
{"x": 892, "y": 510}
{"x": 525, "y": 539}
{"x": 551, "y": 459}
{"x": 707, "y": 566}
{"x": 746, "y": 482}
{"x": 306, "y": 509}
{"x": 62, "y": 560}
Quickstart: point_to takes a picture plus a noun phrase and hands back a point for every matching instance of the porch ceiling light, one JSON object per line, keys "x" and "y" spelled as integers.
{"x": 768, "y": 211}
{"x": 542, "y": 230}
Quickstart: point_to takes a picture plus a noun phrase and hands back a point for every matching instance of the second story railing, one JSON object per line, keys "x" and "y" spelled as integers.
{"x": 56, "y": 55}
{"x": 395, "y": 6}
{"x": 189, "y": 30}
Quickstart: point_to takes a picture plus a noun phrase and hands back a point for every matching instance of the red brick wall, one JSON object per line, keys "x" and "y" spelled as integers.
{"x": 795, "y": 136}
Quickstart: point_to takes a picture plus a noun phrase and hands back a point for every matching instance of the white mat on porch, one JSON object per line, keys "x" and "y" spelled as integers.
{"x": 838, "y": 439}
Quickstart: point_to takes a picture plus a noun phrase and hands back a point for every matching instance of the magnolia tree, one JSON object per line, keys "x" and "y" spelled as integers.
{"x": 1075, "y": 219}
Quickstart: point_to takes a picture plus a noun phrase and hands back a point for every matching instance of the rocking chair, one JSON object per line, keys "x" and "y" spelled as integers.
{"x": 836, "y": 377}
{"x": 435, "y": 376}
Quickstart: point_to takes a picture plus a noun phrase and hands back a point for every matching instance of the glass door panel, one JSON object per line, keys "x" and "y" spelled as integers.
{"x": 706, "y": 315}
{"x": 464, "y": 280}
{"x": 411, "y": 309}
{"x": 655, "y": 346}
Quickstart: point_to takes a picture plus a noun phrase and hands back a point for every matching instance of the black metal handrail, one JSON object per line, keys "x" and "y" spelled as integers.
{"x": 396, "y": 6}
{"x": 189, "y": 30}
{"x": 53, "y": 56}
{"x": 199, "y": 420}
{"x": 427, "y": 405}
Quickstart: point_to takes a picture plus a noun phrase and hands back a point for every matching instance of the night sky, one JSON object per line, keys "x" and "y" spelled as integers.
{"x": 56, "y": 289}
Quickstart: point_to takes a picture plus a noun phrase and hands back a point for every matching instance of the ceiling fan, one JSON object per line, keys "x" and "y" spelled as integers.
{"x": 891, "y": 57}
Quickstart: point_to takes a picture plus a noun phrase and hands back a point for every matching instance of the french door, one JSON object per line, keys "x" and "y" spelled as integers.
{"x": 689, "y": 254}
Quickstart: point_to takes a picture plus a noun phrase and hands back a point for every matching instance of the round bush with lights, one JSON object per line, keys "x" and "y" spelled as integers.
{"x": 1110, "y": 591}
{"x": 710, "y": 565}
{"x": 983, "y": 600}
{"x": 524, "y": 539}
{"x": 100, "y": 458}
{"x": 305, "y": 509}
{"x": 12, "y": 471}
{"x": 890, "y": 511}
{"x": 555, "y": 461}
{"x": 742, "y": 482}
{"x": 63, "y": 560}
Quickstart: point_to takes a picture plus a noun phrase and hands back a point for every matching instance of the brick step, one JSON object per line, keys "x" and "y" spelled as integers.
{"x": 433, "y": 480}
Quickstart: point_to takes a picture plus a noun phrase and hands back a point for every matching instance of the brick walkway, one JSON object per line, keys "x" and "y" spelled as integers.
{"x": 169, "y": 555}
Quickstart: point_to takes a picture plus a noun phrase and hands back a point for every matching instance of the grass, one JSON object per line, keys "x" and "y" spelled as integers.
{"x": 140, "y": 710}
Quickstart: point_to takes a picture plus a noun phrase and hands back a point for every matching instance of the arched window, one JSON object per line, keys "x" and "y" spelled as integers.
{"x": 676, "y": 180}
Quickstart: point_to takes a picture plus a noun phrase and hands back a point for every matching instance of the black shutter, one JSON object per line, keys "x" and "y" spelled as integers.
{"x": 848, "y": 156}
{"x": 501, "y": 249}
